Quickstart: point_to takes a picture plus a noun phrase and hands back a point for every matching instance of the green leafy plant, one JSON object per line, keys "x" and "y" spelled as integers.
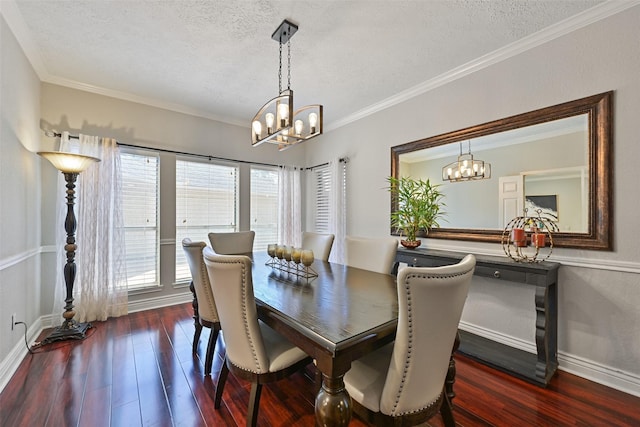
{"x": 418, "y": 204}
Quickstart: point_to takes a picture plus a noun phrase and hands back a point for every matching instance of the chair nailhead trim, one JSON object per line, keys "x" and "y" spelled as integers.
{"x": 407, "y": 361}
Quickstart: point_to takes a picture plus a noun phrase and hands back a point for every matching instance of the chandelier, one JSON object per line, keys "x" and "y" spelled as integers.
{"x": 276, "y": 122}
{"x": 466, "y": 168}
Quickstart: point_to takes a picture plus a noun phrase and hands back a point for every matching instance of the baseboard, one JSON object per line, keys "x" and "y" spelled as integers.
{"x": 626, "y": 382}
{"x": 161, "y": 301}
{"x": 10, "y": 364}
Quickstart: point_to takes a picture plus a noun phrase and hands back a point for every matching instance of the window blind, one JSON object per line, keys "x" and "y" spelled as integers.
{"x": 322, "y": 199}
{"x": 206, "y": 201}
{"x": 264, "y": 206}
{"x": 140, "y": 205}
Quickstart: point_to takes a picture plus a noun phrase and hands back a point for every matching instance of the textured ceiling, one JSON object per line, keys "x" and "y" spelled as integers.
{"x": 217, "y": 59}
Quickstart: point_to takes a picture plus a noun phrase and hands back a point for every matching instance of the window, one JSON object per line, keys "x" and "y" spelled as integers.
{"x": 322, "y": 177}
{"x": 140, "y": 205}
{"x": 264, "y": 206}
{"x": 206, "y": 201}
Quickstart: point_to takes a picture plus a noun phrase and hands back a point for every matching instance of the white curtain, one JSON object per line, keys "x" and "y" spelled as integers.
{"x": 100, "y": 286}
{"x": 338, "y": 208}
{"x": 289, "y": 206}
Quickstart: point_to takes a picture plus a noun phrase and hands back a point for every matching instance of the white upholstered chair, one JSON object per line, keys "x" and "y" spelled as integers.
{"x": 204, "y": 305}
{"x": 371, "y": 254}
{"x": 254, "y": 351}
{"x": 403, "y": 382}
{"x": 233, "y": 243}
{"x": 319, "y": 243}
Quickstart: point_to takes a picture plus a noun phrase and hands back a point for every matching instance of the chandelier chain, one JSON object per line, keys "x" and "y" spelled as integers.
{"x": 289, "y": 64}
{"x": 280, "y": 70}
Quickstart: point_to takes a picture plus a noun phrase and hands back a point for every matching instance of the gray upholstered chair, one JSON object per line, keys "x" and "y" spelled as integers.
{"x": 206, "y": 314}
{"x": 371, "y": 254}
{"x": 233, "y": 243}
{"x": 319, "y": 243}
{"x": 255, "y": 352}
{"x": 403, "y": 382}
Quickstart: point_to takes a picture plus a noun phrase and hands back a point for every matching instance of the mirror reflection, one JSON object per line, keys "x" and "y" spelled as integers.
{"x": 531, "y": 166}
{"x": 555, "y": 161}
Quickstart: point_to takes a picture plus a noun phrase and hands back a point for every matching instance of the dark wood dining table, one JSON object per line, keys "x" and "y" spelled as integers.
{"x": 336, "y": 318}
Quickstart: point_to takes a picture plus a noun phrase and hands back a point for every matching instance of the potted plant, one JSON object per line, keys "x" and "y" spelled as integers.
{"x": 418, "y": 206}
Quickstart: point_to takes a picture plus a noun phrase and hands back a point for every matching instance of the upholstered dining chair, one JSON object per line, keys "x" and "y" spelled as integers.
{"x": 232, "y": 243}
{"x": 319, "y": 243}
{"x": 204, "y": 305}
{"x": 403, "y": 382}
{"x": 255, "y": 352}
{"x": 374, "y": 254}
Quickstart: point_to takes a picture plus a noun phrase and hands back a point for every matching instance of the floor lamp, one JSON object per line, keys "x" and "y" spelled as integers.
{"x": 70, "y": 165}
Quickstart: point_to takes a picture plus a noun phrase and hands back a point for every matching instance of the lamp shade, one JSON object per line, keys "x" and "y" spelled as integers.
{"x": 68, "y": 162}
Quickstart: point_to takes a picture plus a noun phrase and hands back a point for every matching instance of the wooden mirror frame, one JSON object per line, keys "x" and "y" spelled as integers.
{"x": 600, "y": 205}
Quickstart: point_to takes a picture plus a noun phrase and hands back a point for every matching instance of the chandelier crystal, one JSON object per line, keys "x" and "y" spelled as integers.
{"x": 277, "y": 122}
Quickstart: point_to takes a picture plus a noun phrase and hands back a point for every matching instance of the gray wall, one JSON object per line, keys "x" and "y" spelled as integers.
{"x": 599, "y": 291}
{"x": 19, "y": 193}
{"x": 599, "y": 320}
{"x": 63, "y": 108}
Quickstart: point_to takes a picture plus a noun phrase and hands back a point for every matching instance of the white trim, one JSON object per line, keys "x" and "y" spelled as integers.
{"x": 566, "y": 261}
{"x": 10, "y": 364}
{"x": 620, "y": 380}
{"x": 599, "y": 12}
{"x": 18, "y": 258}
{"x": 161, "y": 301}
{"x": 569, "y": 261}
{"x": 14, "y": 19}
{"x": 624, "y": 381}
{"x": 589, "y": 16}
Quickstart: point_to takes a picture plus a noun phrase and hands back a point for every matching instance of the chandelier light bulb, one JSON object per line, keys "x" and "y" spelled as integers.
{"x": 269, "y": 118}
{"x": 313, "y": 122}
{"x": 257, "y": 128}
{"x": 283, "y": 112}
{"x": 298, "y": 127}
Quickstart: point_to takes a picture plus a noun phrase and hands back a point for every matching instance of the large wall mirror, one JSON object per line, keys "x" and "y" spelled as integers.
{"x": 557, "y": 159}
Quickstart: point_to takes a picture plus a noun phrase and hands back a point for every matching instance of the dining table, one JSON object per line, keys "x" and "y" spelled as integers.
{"x": 336, "y": 317}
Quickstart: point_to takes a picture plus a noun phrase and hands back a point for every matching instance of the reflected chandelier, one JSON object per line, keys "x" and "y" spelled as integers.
{"x": 276, "y": 122}
{"x": 466, "y": 168}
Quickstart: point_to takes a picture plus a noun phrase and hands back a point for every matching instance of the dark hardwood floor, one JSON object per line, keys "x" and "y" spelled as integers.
{"x": 138, "y": 370}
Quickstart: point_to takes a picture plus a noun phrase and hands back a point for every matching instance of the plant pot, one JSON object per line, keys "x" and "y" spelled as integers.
{"x": 410, "y": 244}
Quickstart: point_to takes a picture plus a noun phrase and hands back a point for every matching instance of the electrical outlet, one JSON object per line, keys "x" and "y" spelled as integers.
{"x": 13, "y": 320}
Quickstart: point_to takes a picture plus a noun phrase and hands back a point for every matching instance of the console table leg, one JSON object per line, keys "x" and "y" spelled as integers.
{"x": 546, "y": 335}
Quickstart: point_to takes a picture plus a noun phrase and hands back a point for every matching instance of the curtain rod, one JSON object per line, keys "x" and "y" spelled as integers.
{"x": 54, "y": 134}
{"x": 163, "y": 150}
{"x": 341, "y": 160}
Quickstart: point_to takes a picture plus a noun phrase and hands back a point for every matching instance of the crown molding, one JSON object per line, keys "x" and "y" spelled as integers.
{"x": 589, "y": 16}
{"x": 19, "y": 28}
{"x": 151, "y": 102}
{"x": 13, "y": 18}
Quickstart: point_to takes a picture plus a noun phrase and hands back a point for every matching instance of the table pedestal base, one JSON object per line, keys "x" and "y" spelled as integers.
{"x": 333, "y": 403}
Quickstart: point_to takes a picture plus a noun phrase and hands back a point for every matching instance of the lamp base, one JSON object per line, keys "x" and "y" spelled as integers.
{"x": 69, "y": 330}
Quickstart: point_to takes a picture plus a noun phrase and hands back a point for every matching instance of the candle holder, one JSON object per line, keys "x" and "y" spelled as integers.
{"x": 292, "y": 261}
{"x": 527, "y": 238}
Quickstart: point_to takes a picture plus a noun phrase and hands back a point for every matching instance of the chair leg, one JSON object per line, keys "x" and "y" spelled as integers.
{"x": 254, "y": 404}
{"x": 208, "y": 361}
{"x": 196, "y": 318}
{"x": 447, "y": 411}
{"x": 220, "y": 386}
{"x": 196, "y": 337}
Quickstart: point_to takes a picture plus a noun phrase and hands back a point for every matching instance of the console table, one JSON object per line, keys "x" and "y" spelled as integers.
{"x": 537, "y": 368}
